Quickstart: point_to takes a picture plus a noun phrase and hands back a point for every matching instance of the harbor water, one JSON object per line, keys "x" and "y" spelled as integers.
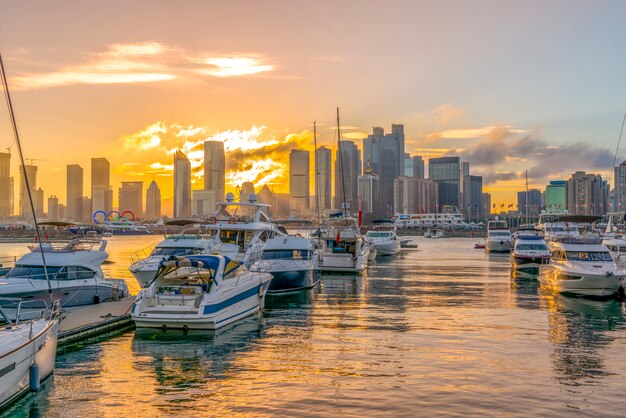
{"x": 441, "y": 330}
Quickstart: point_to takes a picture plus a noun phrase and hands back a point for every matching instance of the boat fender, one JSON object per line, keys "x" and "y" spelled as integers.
{"x": 96, "y": 299}
{"x": 164, "y": 327}
{"x": 33, "y": 377}
{"x": 232, "y": 220}
{"x": 185, "y": 329}
{"x": 621, "y": 293}
{"x": 212, "y": 219}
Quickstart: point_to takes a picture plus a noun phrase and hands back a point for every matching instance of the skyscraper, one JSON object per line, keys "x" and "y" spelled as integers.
{"x": 619, "y": 173}
{"x": 446, "y": 171}
{"x": 486, "y": 212}
{"x": 369, "y": 190}
{"x": 31, "y": 172}
{"x": 473, "y": 197}
{"x": 6, "y": 185}
{"x": 413, "y": 195}
{"x": 323, "y": 177}
{"x": 131, "y": 198}
{"x": 267, "y": 197}
{"x": 202, "y": 202}
{"x": 408, "y": 168}
{"x": 74, "y": 209}
{"x": 299, "y": 182}
{"x": 53, "y": 208}
{"x": 347, "y": 170}
{"x": 586, "y": 194}
{"x": 39, "y": 202}
{"x": 532, "y": 199}
{"x": 101, "y": 190}
{"x": 556, "y": 196}
{"x": 214, "y": 168}
{"x": 153, "y": 201}
{"x": 418, "y": 167}
{"x": 182, "y": 186}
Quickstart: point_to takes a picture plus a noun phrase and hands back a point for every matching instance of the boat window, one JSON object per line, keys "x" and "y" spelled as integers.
{"x": 165, "y": 251}
{"x": 75, "y": 273}
{"x": 248, "y": 235}
{"x": 542, "y": 247}
{"x": 285, "y": 255}
{"x": 622, "y": 249}
{"x": 32, "y": 272}
{"x": 373, "y": 234}
{"x": 557, "y": 255}
{"x": 589, "y": 256}
{"x": 499, "y": 234}
{"x": 229, "y": 236}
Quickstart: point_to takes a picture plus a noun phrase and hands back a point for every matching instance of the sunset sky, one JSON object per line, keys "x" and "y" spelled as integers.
{"x": 509, "y": 86}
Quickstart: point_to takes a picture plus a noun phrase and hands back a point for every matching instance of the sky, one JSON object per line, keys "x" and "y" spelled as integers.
{"x": 509, "y": 86}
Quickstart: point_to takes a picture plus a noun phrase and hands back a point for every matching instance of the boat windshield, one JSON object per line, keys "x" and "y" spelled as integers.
{"x": 499, "y": 234}
{"x": 172, "y": 251}
{"x": 561, "y": 229}
{"x": 32, "y": 272}
{"x": 372, "y": 234}
{"x": 532, "y": 247}
{"x": 285, "y": 255}
{"x": 589, "y": 256}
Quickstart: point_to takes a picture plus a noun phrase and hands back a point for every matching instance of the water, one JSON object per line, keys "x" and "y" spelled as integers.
{"x": 442, "y": 330}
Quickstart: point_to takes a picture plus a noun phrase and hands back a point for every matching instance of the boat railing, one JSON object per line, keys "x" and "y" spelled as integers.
{"x": 142, "y": 253}
{"x": 18, "y": 305}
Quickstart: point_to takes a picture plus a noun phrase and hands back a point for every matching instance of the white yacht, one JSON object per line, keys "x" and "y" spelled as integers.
{"x": 75, "y": 273}
{"x": 557, "y": 225}
{"x": 145, "y": 269}
{"x": 199, "y": 292}
{"x": 434, "y": 233}
{"x": 499, "y": 239}
{"x": 27, "y": 352}
{"x": 581, "y": 266}
{"x": 530, "y": 251}
{"x": 383, "y": 238}
{"x": 292, "y": 261}
{"x": 344, "y": 250}
{"x": 617, "y": 248}
{"x": 124, "y": 227}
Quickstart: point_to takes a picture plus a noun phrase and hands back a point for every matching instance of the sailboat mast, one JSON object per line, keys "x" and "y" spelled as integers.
{"x": 7, "y": 95}
{"x": 317, "y": 175}
{"x": 527, "y": 217}
{"x": 344, "y": 204}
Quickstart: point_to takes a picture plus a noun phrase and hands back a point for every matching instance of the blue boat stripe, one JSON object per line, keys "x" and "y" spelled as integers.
{"x": 240, "y": 313}
{"x": 209, "y": 309}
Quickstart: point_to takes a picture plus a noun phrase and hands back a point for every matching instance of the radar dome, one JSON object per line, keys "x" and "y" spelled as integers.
{"x": 230, "y": 197}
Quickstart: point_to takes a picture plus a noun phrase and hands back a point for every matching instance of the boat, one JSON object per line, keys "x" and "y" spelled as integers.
{"x": 124, "y": 227}
{"x": 581, "y": 266}
{"x": 27, "y": 351}
{"x": 144, "y": 269}
{"x": 480, "y": 246}
{"x": 343, "y": 247}
{"x": 199, "y": 292}
{"x": 434, "y": 233}
{"x": 530, "y": 251}
{"x": 556, "y": 225}
{"x": 499, "y": 239}
{"x": 75, "y": 273}
{"x": 617, "y": 248}
{"x": 292, "y": 261}
{"x": 454, "y": 220}
{"x": 383, "y": 238}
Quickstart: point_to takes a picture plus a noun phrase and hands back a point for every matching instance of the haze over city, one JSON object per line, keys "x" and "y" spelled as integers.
{"x": 498, "y": 84}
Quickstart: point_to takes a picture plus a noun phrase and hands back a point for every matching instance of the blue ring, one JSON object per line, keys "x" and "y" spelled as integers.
{"x": 95, "y": 220}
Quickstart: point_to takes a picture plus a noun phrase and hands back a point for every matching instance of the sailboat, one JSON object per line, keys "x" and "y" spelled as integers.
{"x": 27, "y": 348}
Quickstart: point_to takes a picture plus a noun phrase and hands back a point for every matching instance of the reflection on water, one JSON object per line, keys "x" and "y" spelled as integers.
{"x": 443, "y": 329}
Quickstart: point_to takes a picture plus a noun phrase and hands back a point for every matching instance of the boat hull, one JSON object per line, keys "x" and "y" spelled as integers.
{"x": 289, "y": 281}
{"x": 72, "y": 295}
{"x": 529, "y": 264}
{"x": 498, "y": 246}
{"x": 386, "y": 248}
{"x": 580, "y": 284}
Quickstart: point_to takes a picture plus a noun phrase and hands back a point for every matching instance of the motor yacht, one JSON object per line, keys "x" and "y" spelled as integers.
{"x": 529, "y": 251}
{"x": 617, "y": 248}
{"x": 292, "y": 261}
{"x": 74, "y": 270}
{"x": 581, "y": 266}
{"x": 499, "y": 239}
{"x": 199, "y": 292}
{"x": 27, "y": 351}
{"x": 343, "y": 248}
{"x": 557, "y": 225}
{"x": 434, "y": 233}
{"x": 144, "y": 269}
{"x": 383, "y": 238}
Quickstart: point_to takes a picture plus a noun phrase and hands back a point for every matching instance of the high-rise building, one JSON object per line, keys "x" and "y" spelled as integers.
{"x": 182, "y": 186}
{"x": 619, "y": 173}
{"x": 31, "y": 172}
{"x": 62, "y": 211}
{"x": 530, "y": 199}
{"x": 413, "y": 195}
{"x": 153, "y": 201}
{"x": 299, "y": 182}
{"x": 101, "y": 190}
{"x": 6, "y": 185}
{"x": 586, "y": 194}
{"x": 131, "y": 198}
{"x": 385, "y": 153}
{"x": 418, "y": 167}
{"x": 38, "y": 196}
{"x": 473, "y": 197}
{"x": 214, "y": 168}
{"x": 87, "y": 213}
{"x": 409, "y": 166}
{"x": 323, "y": 177}
{"x": 446, "y": 171}
{"x": 267, "y": 197}
{"x": 53, "y": 208}
{"x": 347, "y": 170}
{"x": 202, "y": 202}
{"x": 486, "y": 212}
{"x": 369, "y": 190}
{"x": 74, "y": 192}
{"x": 556, "y": 196}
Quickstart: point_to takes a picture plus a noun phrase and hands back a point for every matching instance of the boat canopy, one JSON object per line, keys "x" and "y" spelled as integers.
{"x": 530, "y": 237}
{"x": 577, "y": 218}
{"x": 208, "y": 262}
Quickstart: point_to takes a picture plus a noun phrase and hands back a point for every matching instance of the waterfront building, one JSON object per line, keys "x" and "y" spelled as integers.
{"x": 74, "y": 192}
{"x": 6, "y": 185}
{"x": 38, "y": 197}
{"x": 131, "y": 198}
{"x": 62, "y": 211}
{"x": 446, "y": 172}
{"x": 101, "y": 189}
{"x": 408, "y": 169}
{"x": 53, "y": 208}
{"x": 556, "y": 196}
{"x": 347, "y": 171}
{"x": 323, "y": 178}
{"x": 267, "y": 197}
{"x": 299, "y": 181}
{"x": 413, "y": 195}
{"x": 532, "y": 198}
{"x": 418, "y": 167}
{"x": 486, "y": 211}
{"x": 586, "y": 194}
{"x": 31, "y": 172}
{"x": 473, "y": 197}
{"x": 215, "y": 168}
{"x": 87, "y": 209}
{"x": 182, "y": 185}
{"x": 619, "y": 201}
{"x": 153, "y": 201}
{"x": 369, "y": 190}
{"x": 202, "y": 202}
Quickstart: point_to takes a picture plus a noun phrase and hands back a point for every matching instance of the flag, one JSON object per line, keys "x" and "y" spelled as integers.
{"x": 338, "y": 237}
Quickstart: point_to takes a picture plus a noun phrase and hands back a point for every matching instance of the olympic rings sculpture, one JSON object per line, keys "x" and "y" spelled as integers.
{"x": 108, "y": 217}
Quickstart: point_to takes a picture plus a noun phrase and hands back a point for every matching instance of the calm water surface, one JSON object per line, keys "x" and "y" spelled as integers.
{"x": 442, "y": 330}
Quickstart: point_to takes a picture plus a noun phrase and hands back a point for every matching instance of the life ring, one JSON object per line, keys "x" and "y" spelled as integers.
{"x": 232, "y": 221}
{"x": 46, "y": 236}
{"x": 212, "y": 219}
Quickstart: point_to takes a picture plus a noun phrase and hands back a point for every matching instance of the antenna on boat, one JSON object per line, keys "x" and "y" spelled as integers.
{"x": 526, "y": 200}
{"x": 344, "y": 204}
{"x": 612, "y": 168}
{"x": 317, "y": 175}
{"x": 7, "y": 96}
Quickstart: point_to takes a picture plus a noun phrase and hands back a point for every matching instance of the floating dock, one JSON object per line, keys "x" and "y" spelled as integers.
{"x": 85, "y": 322}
